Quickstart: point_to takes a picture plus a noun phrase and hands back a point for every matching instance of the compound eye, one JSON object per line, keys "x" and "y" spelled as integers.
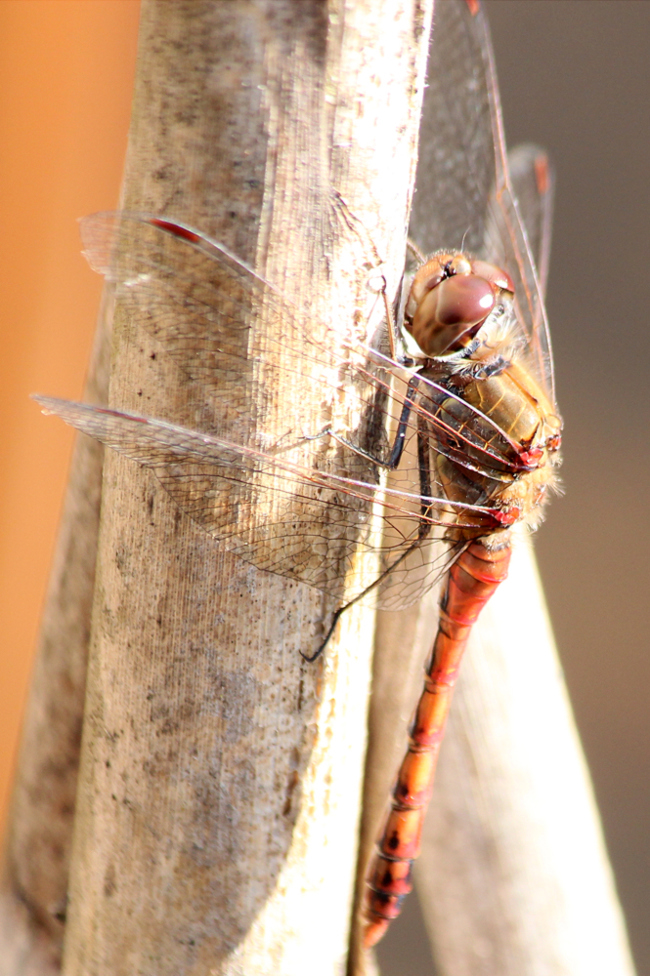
{"x": 448, "y": 317}
{"x": 496, "y": 276}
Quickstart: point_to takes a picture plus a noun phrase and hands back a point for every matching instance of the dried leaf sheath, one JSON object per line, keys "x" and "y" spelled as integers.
{"x": 174, "y": 783}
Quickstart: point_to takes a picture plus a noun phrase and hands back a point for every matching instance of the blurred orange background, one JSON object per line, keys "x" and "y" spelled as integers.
{"x": 66, "y": 76}
{"x": 575, "y": 77}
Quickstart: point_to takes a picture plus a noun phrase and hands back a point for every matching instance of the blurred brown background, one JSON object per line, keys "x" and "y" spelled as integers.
{"x": 574, "y": 77}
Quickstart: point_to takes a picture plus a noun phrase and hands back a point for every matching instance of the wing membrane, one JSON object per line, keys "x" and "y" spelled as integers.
{"x": 299, "y": 504}
{"x": 533, "y": 183}
{"x": 465, "y": 198}
{"x": 198, "y": 300}
{"x": 307, "y": 524}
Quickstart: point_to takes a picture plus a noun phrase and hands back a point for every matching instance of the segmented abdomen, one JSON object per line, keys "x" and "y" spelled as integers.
{"x": 470, "y": 583}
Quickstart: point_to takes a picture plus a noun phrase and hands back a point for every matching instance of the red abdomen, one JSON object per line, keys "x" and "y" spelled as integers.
{"x": 470, "y": 583}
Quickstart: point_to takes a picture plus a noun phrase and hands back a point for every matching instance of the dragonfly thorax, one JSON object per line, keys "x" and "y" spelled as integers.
{"x": 509, "y": 432}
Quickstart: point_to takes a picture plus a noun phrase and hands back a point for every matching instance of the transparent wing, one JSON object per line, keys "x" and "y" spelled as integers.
{"x": 307, "y": 524}
{"x": 299, "y": 504}
{"x": 464, "y": 193}
{"x": 199, "y": 302}
{"x": 533, "y": 184}
{"x": 299, "y": 507}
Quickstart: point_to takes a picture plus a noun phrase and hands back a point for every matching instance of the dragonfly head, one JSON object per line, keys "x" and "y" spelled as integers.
{"x": 450, "y": 298}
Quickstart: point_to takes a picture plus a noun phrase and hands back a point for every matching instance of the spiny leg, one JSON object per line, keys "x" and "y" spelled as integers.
{"x": 424, "y": 524}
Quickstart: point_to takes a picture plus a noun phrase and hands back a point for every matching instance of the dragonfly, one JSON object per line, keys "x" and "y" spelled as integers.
{"x": 456, "y": 436}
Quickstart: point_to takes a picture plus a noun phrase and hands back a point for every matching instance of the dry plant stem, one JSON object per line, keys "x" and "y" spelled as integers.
{"x": 403, "y": 641}
{"x": 36, "y": 857}
{"x": 219, "y": 785}
{"x": 514, "y": 877}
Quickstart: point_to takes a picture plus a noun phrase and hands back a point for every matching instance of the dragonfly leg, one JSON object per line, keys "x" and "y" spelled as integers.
{"x": 424, "y": 528}
{"x": 335, "y": 619}
{"x": 397, "y": 449}
{"x": 415, "y": 251}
